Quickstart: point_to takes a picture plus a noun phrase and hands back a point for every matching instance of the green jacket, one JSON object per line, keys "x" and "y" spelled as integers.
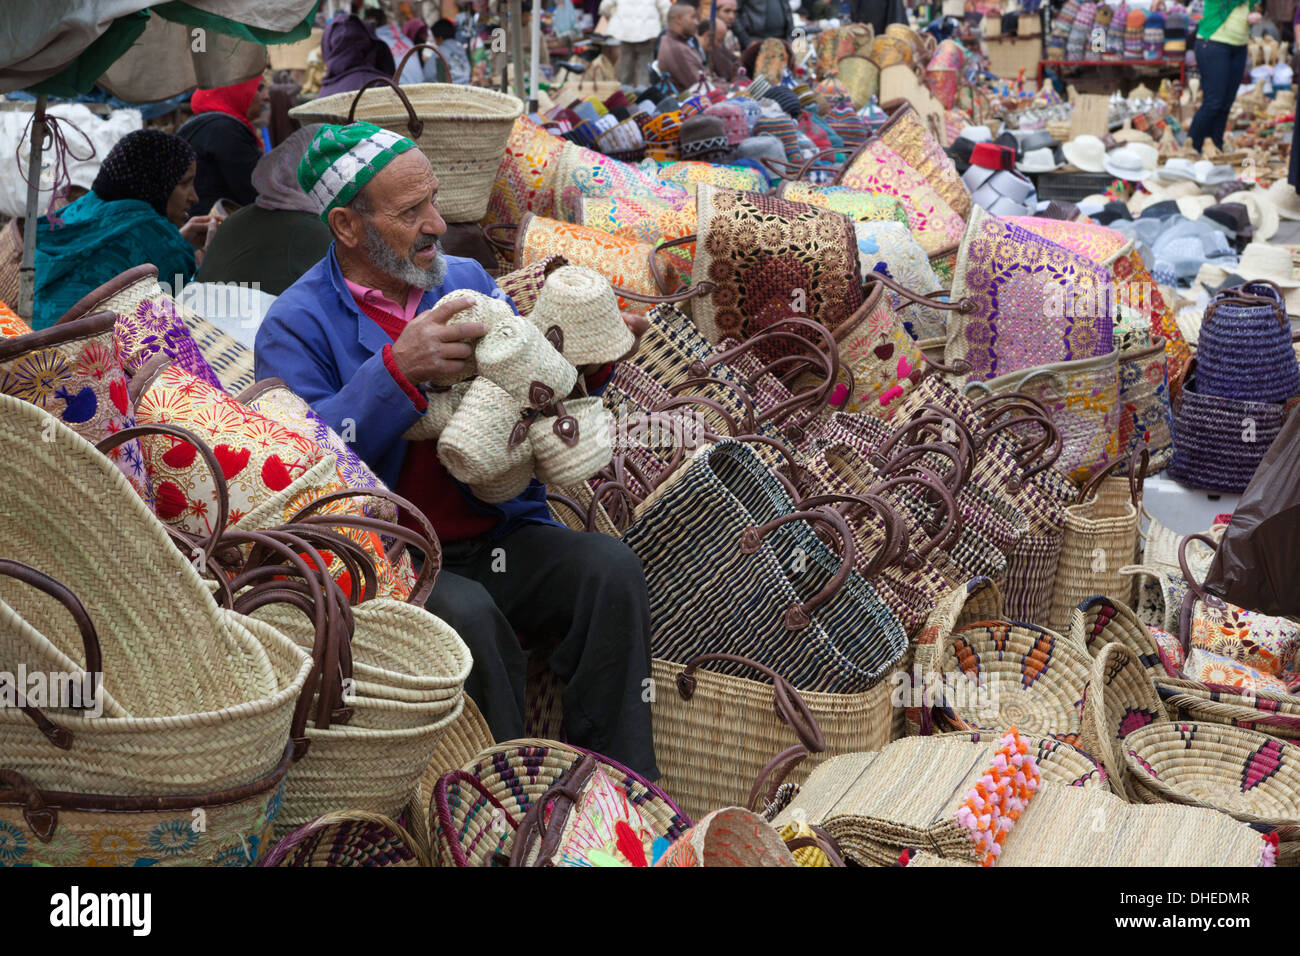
{"x": 1216, "y": 11}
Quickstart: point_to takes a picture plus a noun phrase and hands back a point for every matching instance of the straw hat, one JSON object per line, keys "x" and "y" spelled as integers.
{"x": 1038, "y": 161}
{"x": 1259, "y": 260}
{"x": 1130, "y": 135}
{"x": 517, "y": 358}
{"x": 484, "y": 309}
{"x": 578, "y": 313}
{"x": 1130, "y": 165}
{"x": 1193, "y": 206}
{"x": 1285, "y": 200}
{"x": 1087, "y": 153}
{"x": 566, "y": 456}
{"x": 475, "y": 445}
{"x": 1263, "y": 214}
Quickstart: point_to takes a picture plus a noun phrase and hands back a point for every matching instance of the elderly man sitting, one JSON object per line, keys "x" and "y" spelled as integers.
{"x": 351, "y": 337}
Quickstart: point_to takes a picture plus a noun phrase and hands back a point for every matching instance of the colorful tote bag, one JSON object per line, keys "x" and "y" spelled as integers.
{"x": 527, "y": 176}
{"x": 1145, "y": 414}
{"x": 767, "y": 257}
{"x": 887, "y": 248}
{"x": 884, "y": 359}
{"x": 624, "y": 262}
{"x": 1082, "y": 398}
{"x": 857, "y": 205}
{"x": 149, "y": 322}
{"x": 1032, "y": 301}
{"x": 259, "y": 457}
{"x": 644, "y": 220}
{"x": 277, "y": 402}
{"x": 689, "y": 174}
{"x": 71, "y": 370}
{"x": 584, "y": 172}
{"x": 10, "y": 324}
{"x": 905, "y": 133}
{"x": 877, "y": 168}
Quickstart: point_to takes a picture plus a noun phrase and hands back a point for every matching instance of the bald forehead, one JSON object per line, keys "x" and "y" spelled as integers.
{"x": 679, "y": 9}
{"x": 405, "y": 181}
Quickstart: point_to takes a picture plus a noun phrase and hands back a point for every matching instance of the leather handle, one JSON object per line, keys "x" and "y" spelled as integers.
{"x": 656, "y": 271}
{"x": 397, "y": 77}
{"x": 506, "y": 247}
{"x": 59, "y": 736}
{"x": 790, "y": 706}
{"x": 1194, "y": 588}
{"x": 1239, "y": 297}
{"x": 414, "y": 125}
{"x": 799, "y": 616}
{"x": 965, "y": 306}
{"x": 1135, "y": 475}
{"x": 772, "y": 775}
{"x": 214, "y": 469}
{"x": 947, "y": 533}
{"x": 746, "y": 425}
{"x": 700, "y": 288}
{"x": 912, "y": 454}
{"x": 325, "y": 653}
{"x": 601, "y": 491}
{"x": 428, "y": 542}
{"x": 896, "y": 537}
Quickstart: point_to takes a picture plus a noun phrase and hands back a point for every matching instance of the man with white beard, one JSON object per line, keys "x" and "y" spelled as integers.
{"x": 355, "y": 337}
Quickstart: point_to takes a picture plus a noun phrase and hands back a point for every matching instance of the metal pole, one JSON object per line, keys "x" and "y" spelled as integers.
{"x": 517, "y": 45}
{"x": 535, "y": 35}
{"x": 27, "y": 273}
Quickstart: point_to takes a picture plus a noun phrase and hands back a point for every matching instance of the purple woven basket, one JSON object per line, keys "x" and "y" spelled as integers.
{"x": 1218, "y": 441}
{"x": 1244, "y": 349}
{"x": 347, "y": 838}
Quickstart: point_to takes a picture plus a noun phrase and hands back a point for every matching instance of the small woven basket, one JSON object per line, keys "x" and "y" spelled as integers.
{"x": 1121, "y": 699}
{"x": 347, "y": 838}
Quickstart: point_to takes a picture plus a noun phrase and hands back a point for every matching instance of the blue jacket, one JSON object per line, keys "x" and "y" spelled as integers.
{"x": 329, "y": 352}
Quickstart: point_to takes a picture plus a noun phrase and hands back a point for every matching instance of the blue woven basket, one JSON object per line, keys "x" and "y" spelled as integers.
{"x": 1244, "y": 349}
{"x": 1218, "y": 441}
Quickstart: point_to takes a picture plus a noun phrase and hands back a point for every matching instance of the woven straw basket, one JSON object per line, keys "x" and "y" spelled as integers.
{"x": 348, "y": 838}
{"x": 476, "y": 809}
{"x": 49, "y": 828}
{"x": 1100, "y": 621}
{"x": 712, "y": 747}
{"x": 1243, "y": 773}
{"x": 462, "y": 130}
{"x": 1277, "y": 715}
{"x": 1121, "y": 699}
{"x": 196, "y": 698}
{"x": 1028, "y": 677}
{"x": 1058, "y": 762}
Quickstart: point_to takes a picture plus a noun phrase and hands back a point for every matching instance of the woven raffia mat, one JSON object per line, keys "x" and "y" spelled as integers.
{"x": 1071, "y": 826}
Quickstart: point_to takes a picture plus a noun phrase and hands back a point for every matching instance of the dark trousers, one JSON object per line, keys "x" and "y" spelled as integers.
{"x": 1221, "y": 66}
{"x": 584, "y": 593}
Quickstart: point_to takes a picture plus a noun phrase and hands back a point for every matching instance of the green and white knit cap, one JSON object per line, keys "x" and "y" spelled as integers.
{"x": 342, "y": 159}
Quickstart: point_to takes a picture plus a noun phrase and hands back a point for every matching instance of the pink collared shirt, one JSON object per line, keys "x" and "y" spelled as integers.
{"x": 377, "y": 299}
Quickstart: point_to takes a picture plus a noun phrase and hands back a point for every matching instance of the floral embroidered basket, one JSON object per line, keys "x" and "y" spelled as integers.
{"x": 878, "y": 168}
{"x": 906, "y": 134}
{"x": 1036, "y": 302}
{"x": 526, "y": 179}
{"x": 71, "y": 370}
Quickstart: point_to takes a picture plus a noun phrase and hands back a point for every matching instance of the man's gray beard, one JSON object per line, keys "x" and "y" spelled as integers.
{"x": 401, "y": 267}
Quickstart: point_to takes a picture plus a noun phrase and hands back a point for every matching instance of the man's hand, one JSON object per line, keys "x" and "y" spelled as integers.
{"x": 431, "y": 350}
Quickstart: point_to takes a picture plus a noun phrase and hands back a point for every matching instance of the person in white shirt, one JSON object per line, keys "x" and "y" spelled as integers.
{"x": 636, "y": 25}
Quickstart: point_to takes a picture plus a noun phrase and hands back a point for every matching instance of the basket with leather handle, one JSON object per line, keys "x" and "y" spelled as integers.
{"x": 462, "y": 130}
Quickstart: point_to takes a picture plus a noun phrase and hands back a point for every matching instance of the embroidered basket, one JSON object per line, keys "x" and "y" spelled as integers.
{"x": 526, "y": 179}
{"x": 72, "y": 371}
{"x": 624, "y": 262}
{"x": 857, "y": 205}
{"x": 759, "y": 251}
{"x": 878, "y": 168}
{"x": 906, "y": 134}
{"x": 1145, "y": 416}
{"x": 1036, "y": 302}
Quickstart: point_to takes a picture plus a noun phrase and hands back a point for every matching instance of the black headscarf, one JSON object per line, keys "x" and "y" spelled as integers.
{"x": 145, "y": 165}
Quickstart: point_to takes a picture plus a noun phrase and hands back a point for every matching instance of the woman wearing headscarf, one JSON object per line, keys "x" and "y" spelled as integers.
{"x": 280, "y": 236}
{"x": 353, "y": 56}
{"x": 225, "y": 141}
{"x": 135, "y": 213}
